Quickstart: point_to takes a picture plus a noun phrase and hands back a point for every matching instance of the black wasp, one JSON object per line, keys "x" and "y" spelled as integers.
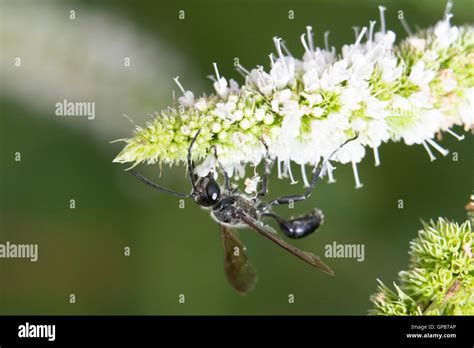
{"x": 233, "y": 209}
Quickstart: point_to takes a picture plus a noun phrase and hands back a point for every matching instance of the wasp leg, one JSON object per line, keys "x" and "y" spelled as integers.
{"x": 192, "y": 176}
{"x": 226, "y": 176}
{"x": 297, "y": 198}
{"x": 314, "y": 179}
{"x": 267, "y": 163}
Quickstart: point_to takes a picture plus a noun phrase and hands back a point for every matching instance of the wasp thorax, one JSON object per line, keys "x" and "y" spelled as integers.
{"x": 225, "y": 212}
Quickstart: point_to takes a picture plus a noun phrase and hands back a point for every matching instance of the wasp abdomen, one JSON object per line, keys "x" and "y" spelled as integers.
{"x": 301, "y": 226}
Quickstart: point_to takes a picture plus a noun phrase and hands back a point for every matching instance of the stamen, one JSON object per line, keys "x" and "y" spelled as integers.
{"x": 272, "y": 60}
{"x": 259, "y": 72}
{"x": 371, "y": 30}
{"x": 447, "y": 11}
{"x": 284, "y": 174}
{"x": 279, "y": 168}
{"x": 309, "y": 30}
{"x": 244, "y": 72}
{"x": 255, "y": 174}
{"x": 361, "y": 35}
{"x": 376, "y": 156}
{"x": 359, "y": 38}
{"x": 326, "y": 40}
{"x": 176, "y": 79}
{"x": 448, "y": 17}
{"x": 356, "y": 32}
{"x": 406, "y": 26}
{"x": 432, "y": 157}
{"x": 293, "y": 181}
{"x": 356, "y": 176}
{"x": 457, "y": 136}
{"x": 277, "y": 41}
{"x": 287, "y": 51}
{"x": 324, "y": 169}
{"x": 441, "y": 150}
{"x": 382, "y": 19}
{"x": 303, "y": 174}
{"x": 305, "y": 45}
{"x": 331, "y": 179}
{"x": 217, "y": 71}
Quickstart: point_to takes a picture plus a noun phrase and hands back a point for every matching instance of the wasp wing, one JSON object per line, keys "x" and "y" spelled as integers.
{"x": 238, "y": 269}
{"x": 306, "y": 256}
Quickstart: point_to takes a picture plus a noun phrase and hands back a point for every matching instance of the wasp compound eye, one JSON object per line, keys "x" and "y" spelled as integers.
{"x": 213, "y": 191}
{"x": 208, "y": 192}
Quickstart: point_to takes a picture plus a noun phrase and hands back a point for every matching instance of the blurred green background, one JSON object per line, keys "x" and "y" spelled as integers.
{"x": 175, "y": 250}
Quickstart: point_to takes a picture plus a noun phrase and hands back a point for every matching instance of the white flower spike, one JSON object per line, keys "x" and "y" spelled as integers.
{"x": 306, "y": 108}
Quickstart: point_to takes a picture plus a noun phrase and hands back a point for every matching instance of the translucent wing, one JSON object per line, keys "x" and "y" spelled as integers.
{"x": 238, "y": 269}
{"x": 306, "y": 256}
